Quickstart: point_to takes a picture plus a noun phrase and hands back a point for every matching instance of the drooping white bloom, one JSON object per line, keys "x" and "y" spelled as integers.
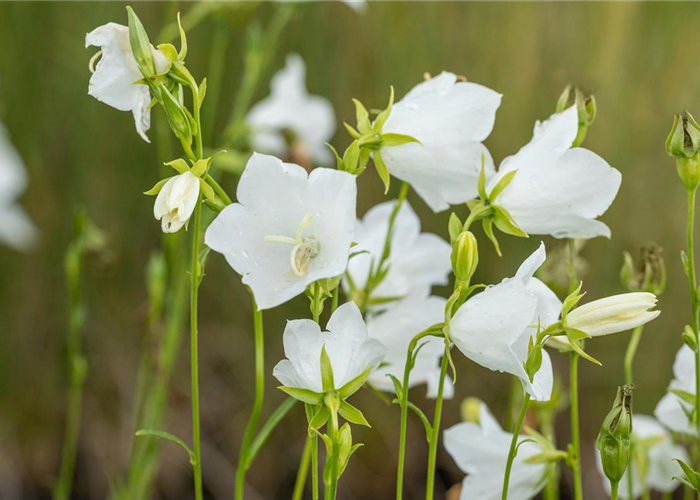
{"x": 618, "y": 313}
{"x": 16, "y": 229}
{"x": 349, "y": 349}
{"x": 481, "y": 449}
{"x": 672, "y": 411}
{"x": 557, "y": 189}
{"x": 494, "y": 327}
{"x": 395, "y": 328}
{"x": 290, "y": 109}
{"x": 417, "y": 260}
{"x": 660, "y": 454}
{"x": 117, "y": 70}
{"x": 288, "y": 229}
{"x": 176, "y": 201}
{"x": 450, "y": 119}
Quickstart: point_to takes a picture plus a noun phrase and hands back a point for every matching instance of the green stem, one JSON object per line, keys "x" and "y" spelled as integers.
{"x": 435, "y": 435}
{"x": 546, "y": 420}
{"x": 631, "y": 351}
{"x": 613, "y": 490}
{"x": 693, "y": 297}
{"x": 194, "y": 356}
{"x": 515, "y": 387}
{"x": 243, "y": 461}
{"x": 303, "y": 470}
{"x": 314, "y": 467}
{"x": 630, "y": 481}
{"x": 331, "y": 483}
{"x": 513, "y": 446}
{"x": 575, "y": 440}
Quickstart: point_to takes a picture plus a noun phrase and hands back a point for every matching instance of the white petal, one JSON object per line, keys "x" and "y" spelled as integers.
{"x": 303, "y": 342}
{"x": 532, "y": 263}
{"x": 670, "y": 412}
{"x": 16, "y": 228}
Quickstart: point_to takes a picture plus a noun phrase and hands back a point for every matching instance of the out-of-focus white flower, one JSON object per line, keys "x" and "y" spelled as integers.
{"x": 450, "y": 119}
{"x": 350, "y": 351}
{"x": 117, "y": 70}
{"x": 176, "y": 201}
{"x": 481, "y": 450}
{"x": 288, "y": 229}
{"x": 557, "y": 190}
{"x": 615, "y": 314}
{"x": 16, "y": 229}
{"x": 395, "y": 328}
{"x": 672, "y": 411}
{"x": 659, "y": 455}
{"x": 417, "y": 260}
{"x": 494, "y": 327}
{"x": 291, "y": 110}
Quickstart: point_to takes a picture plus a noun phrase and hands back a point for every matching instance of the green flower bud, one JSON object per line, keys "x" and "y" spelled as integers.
{"x": 649, "y": 275}
{"x": 614, "y": 439}
{"x": 689, "y": 338}
{"x": 465, "y": 256}
{"x": 177, "y": 116}
{"x": 683, "y": 143}
{"x": 586, "y": 106}
{"x": 140, "y": 45}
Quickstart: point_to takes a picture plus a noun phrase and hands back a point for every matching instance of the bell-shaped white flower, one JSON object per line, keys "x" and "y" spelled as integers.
{"x": 117, "y": 70}
{"x": 395, "y": 328}
{"x": 659, "y": 454}
{"x": 16, "y": 229}
{"x": 290, "y": 110}
{"x": 494, "y": 327}
{"x": 450, "y": 119}
{"x": 288, "y": 229}
{"x": 557, "y": 190}
{"x": 615, "y": 314}
{"x": 673, "y": 411}
{"x": 417, "y": 261}
{"x": 176, "y": 201}
{"x": 481, "y": 450}
{"x": 349, "y": 349}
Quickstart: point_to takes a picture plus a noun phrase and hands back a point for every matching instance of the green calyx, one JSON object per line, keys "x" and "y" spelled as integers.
{"x": 615, "y": 437}
{"x": 369, "y": 139}
{"x": 683, "y": 143}
{"x": 649, "y": 273}
{"x": 585, "y": 105}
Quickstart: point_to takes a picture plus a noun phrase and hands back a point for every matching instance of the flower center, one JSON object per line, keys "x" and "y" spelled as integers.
{"x": 303, "y": 248}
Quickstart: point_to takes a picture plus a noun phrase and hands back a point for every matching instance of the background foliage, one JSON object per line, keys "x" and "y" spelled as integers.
{"x": 639, "y": 58}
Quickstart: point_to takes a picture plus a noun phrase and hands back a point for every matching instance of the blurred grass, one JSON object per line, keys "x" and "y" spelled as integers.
{"x": 639, "y": 58}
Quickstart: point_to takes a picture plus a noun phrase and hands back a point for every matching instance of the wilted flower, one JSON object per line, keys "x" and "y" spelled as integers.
{"x": 113, "y": 79}
{"x": 556, "y": 190}
{"x": 176, "y": 201}
{"x": 653, "y": 465}
{"x": 649, "y": 275}
{"x": 614, "y": 439}
{"x": 346, "y": 343}
{"x": 481, "y": 450}
{"x": 16, "y": 229}
{"x": 417, "y": 260}
{"x": 683, "y": 143}
{"x": 674, "y": 409}
{"x": 450, "y": 119}
{"x": 288, "y": 229}
{"x": 292, "y": 117}
{"x": 614, "y": 314}
{"x": 494, "y": 327}
{"x": 395, "y": 328}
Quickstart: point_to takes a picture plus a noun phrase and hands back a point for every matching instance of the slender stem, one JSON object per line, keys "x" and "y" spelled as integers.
{"x": 513, "y": 445}
{"x": 515, "y": 386}
{"x": 693, "y": 297}
{"x": 303, "y": 470}
{"x": 575, "y": 441}
{"x": 332, "y": 481}
{"x": 194, "y": 356}
{"x": 613, "y": 490}
{"x": 546, "y": 421}
{"x": 243, "y": 462}
{"x": 631, "y": 351}
{"x": 630, "y": 480}
{"x": 434, "y": 436}
{"x": 314, "y": 467}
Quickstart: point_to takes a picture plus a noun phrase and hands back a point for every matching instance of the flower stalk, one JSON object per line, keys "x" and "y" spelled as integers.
{"x": 514, "y": 445}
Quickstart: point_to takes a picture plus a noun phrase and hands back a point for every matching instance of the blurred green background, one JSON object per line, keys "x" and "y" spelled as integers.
{"x": 640, "y": 59}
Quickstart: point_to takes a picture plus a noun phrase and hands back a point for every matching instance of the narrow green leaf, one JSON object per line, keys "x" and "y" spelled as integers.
{"x": 202, "y": 91}
{"x": 363, "y": 123}
{"x": 338, "y": 159}
{"x": 488, "y": 230}
{"x": 352, "y": 414}
{"x": 398, "y": 389}
{"x": 392, "y": 140}
{"x": 577, "y": 348}
{"x": 384, "y": 115}
{"x": 505, "y": 222}
{"x": 684, "y": 395}
{"x": 320, "y": 419}
{"x": 353, "y": 133}
{"x": 183, "y": 39}
{"x": 170, "y": 437}
{"x": 355, "y": 384}
{"x": 501, "y": 185}
{"x": 303, "y": 395}
{"x": 207, "y": 190}
{"x": 156, "y": 189}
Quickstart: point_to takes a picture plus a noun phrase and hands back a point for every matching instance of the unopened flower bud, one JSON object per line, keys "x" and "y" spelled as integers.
{"x": 614, "y": 439}
{"x": 649, "y": 275}
{"x": 465, "y": 256}
{"x": 176, "y": 201}
{"x": 471, "y": 409}
{"x": 689, "y": 338}
{"x": 614, "y": 314}
{"x": 683, "y": 143}
{"x": 177, "y": 117}
{"x": 586, "y": 106}
{"x": 140, "y": 45}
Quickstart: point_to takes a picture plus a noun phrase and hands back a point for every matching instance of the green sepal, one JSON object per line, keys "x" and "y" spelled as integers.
{"x": 454, "y": 227}
{"x": 355, "y": 384}
{"x": 684, "y": 395}
{"x": 398, "y": 389}
{"x": 170, "y": 437}
{"x": 304, "y": 395}
{"x": 338, "y": 160}
{"x": 392, "y": 140}
{"x": 140, "y": 45}
{"x": 169, "y": 51}
{"x": 326, "y": 371}
{"x": 571, "y": 300}
{"x": 505, "y": 222}
{"x": 362, "y": 115}
{"x": 691, "y": 475}
{"x": 481, "y": 182}
{"x": 180, "y": 165}
{"x": 488, "y": 230}
{"x": 353, "y": 133}
{"x": 183, "y": 40}
{"x": 574, "y": 336}
{"x": 501, "y": 185}
{"x": 352, "y": 414}
{"x": 384, "y": 115}
{"x": 351, "y": 157}
{"x": 207, "y": 190}
{"x": 382, "y": 170}
{"x": 319, "y": 419}
{"x": 156, "y": 189}
{"x": 202, "y": 91}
